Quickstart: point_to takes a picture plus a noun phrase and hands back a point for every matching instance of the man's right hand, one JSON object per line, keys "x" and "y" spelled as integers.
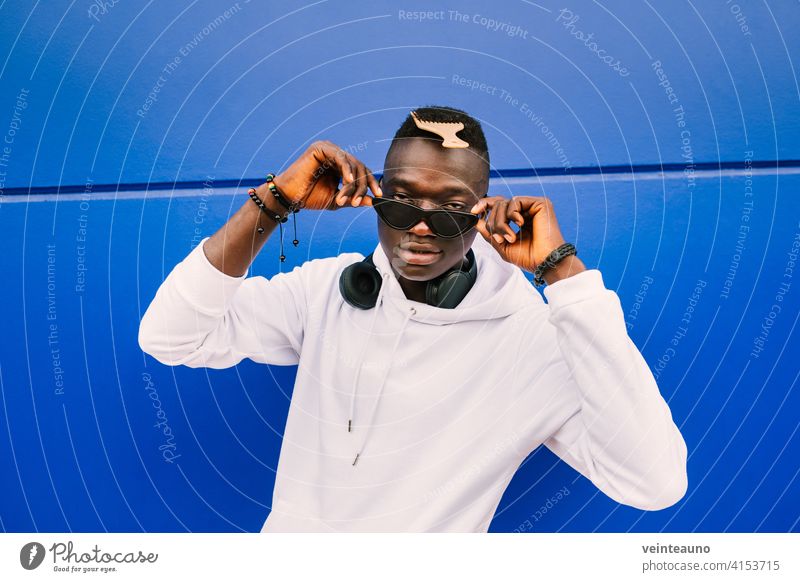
{"x": 313, "y": 179}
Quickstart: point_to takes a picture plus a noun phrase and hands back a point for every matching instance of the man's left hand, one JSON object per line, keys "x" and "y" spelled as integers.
{"x": 538, "y": 234}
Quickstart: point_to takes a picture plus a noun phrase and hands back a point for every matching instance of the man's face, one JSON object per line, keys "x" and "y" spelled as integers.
{"x": 422, "y": 172}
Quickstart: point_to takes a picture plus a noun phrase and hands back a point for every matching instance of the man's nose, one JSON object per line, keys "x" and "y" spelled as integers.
{"x": 421, "y": 229}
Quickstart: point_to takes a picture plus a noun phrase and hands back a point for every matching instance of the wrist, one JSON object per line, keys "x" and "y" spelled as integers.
{"x": 565, "y": 268}
{"x": 285, "y": 199}
{"x": 282, "y": 187}
{"x": 553, "y": 266}
{"x": 270, "y": 202}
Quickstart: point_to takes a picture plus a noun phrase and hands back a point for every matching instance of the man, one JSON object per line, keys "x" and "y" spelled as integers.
{"x": 415, "y": 402}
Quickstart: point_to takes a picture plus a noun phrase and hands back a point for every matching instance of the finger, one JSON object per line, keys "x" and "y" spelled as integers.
{"x": 349, "y": 185}
{"x": 480, "y": 206}
{"x": 486, "y": 203}
{"x": 361, "y": 183}
{"x": 332, "y": 205}
{"x": 373, "y": 184}
{"x": 507, "y": 232}
{"x": 513, "y": 211}
{"x": 491, "y": 206}
{"x": 484, "y": 227}
{"x": 481, "y": 227}
{"x": 489, "y": 218}
{"x": 517, "y": 217}
{"x": 337, "y": 157}
{"x": 500, "y": 228}
{"x": 336, "y": 166}
{"x": 531, "y": 205}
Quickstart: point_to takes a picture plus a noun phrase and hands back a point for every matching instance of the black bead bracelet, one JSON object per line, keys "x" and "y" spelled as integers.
{"x": 552, "y": 260}
{"x": 273, "y": 215}
{"x": 292, "y": 208}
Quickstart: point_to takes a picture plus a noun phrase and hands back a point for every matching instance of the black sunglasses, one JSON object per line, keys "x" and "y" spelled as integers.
{"x": 443, "y": 223}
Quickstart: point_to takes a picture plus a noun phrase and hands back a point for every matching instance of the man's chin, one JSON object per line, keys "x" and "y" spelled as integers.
{"x": 420, "y": 273}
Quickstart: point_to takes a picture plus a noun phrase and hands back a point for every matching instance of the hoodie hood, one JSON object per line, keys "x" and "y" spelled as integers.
{"x": 500, "y": 290}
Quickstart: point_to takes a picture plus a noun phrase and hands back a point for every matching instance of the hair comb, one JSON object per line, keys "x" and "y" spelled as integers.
{"x": 446, "y": 130}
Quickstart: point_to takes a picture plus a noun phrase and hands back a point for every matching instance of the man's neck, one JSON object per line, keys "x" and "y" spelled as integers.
{"x": 414, "y": 290}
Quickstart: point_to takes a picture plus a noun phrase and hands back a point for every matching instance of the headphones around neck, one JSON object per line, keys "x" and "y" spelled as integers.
{"x": 360, "y": 283}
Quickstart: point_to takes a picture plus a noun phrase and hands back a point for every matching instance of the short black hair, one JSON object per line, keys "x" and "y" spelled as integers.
{"x": 472, "y": 132}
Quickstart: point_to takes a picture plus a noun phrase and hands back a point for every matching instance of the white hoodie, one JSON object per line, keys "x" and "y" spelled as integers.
{"x": 445, "y": 403}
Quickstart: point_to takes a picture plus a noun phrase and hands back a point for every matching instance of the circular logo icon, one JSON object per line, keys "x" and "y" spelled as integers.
{"x": 31, "y": 555}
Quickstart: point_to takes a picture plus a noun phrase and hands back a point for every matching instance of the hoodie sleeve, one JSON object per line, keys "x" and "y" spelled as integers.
{"x": 621, "y": 435}
{"x": 201, "y": 317}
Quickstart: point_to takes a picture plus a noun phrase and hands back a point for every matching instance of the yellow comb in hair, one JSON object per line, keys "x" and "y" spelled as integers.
{"x": 446, "y": 130}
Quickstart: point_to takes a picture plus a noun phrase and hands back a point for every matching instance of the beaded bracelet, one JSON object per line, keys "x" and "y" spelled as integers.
{"x": 290, "y": 206}
{"x": 551, "y": 261}
{"x": 273, "y": 215}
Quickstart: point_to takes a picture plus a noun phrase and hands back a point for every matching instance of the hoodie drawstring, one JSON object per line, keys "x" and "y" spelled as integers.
{"x": 354, "y": 388}
{"x": 410, "y": 313}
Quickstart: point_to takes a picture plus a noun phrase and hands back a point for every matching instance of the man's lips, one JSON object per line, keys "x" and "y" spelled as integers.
{"x": 425, "y": 248}
{"x": 425, "y": 257}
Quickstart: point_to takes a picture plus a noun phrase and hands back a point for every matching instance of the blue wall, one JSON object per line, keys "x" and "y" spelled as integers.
{"x": 251, "y": 89}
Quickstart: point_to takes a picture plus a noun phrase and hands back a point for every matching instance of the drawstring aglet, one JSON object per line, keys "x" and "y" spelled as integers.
{"x": 349, "y": 424}
{"x": 356, "y": 459}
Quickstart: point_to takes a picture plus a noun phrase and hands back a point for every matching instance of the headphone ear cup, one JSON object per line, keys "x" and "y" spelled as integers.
{"x": 360, "y": 283}
{"x": 448, "y": 290}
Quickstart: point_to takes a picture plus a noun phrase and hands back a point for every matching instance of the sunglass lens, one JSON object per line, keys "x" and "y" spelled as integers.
{"x": 396, "y": 214}
{"x": 451, "y": 224}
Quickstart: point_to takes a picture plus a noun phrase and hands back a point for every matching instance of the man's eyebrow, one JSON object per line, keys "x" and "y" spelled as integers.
{"x": 456, "y": 191}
